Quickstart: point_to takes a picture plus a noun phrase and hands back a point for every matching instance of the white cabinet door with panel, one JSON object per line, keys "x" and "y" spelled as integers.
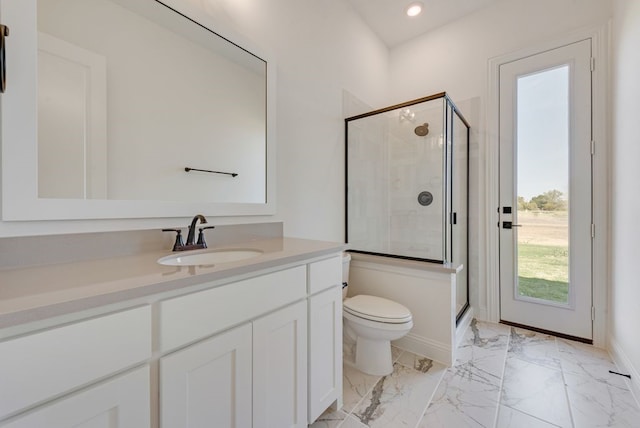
{"x": 209, "y": 383}
{"x": 325, "y": 351}
{"x": 121, "y": 402}
{"x": 325, "y": 336}
{"x": 280, "y": 368}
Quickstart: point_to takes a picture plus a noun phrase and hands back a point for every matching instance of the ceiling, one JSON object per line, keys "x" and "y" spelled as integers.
{"x": 387, "y": 18}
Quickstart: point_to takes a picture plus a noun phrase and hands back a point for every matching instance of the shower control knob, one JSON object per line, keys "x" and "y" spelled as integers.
{"x": 425, "y": 198}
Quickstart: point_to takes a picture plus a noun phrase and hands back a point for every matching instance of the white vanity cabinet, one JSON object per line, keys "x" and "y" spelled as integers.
{"x": 251, "y": 375}
{"x": 261, "y": 348}
{"x": 282, "y": 369}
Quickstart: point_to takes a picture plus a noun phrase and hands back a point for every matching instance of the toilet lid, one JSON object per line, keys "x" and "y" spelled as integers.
{"x": 377, "y": 309}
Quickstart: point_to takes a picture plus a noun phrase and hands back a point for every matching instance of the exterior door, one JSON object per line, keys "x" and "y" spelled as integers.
{"x": 545, "y": 191}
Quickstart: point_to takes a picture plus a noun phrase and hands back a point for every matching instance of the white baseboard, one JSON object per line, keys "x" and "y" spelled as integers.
{"x": 432, "y": 349}
{"x": 463, "y": 325}
{"x": 626, "y": 366}
{"x": 481, "y": 314}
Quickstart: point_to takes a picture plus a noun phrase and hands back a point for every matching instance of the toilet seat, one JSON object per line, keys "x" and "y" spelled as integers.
{"x": 377, "y": 309}
{"x": 378, "y": 326}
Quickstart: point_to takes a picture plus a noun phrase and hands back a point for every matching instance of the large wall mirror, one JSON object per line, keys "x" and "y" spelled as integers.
{"x": 132, "y": 108}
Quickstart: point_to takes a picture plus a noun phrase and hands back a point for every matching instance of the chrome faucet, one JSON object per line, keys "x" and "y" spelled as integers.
{"x": 191, "y": 236}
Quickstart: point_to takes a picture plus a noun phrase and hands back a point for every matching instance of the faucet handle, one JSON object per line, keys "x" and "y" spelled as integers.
{"x": 179, "y": 243}
{"x": 201, "y": 240}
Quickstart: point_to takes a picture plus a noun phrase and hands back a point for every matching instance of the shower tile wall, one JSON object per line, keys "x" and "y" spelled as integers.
{"x": 395, "y": 155}
{"x": 368, "y": 190}
{"x": 389, "y": 166}
{"x": 416, "y": 166}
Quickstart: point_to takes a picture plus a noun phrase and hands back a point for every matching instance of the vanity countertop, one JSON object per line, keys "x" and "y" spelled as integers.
{"x": 34, "y": 293}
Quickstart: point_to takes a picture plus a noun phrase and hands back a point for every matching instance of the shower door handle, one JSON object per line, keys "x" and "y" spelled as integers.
{"x": 509, "y": 225}
{"x": 4, "y": 32}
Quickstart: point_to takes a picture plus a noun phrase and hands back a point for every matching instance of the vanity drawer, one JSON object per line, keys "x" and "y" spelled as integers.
{"x": 121, "y": 401}
{"x": 38, "y": 366}
{"x": 325, "y": 274}
{"x": 188, "y": 318}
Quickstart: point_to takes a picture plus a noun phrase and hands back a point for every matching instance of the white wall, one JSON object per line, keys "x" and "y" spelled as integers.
{"x": 321, "y": 49}
{"x": 625, "y": 202}
{"x": 454, "y": 58}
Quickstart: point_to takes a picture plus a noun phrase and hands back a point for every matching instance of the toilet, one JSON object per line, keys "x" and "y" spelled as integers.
{"x": 371, "y": 323}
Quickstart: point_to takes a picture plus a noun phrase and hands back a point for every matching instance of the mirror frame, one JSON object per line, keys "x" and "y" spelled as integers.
{"x": 18, "y": 134}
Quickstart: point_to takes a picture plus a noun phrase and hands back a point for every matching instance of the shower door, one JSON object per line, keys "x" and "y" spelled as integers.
{"x": 545, "y": 191}
{"x": 396, "y": 182}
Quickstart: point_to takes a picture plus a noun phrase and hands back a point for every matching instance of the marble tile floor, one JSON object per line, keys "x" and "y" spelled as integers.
{"x": 503, "y": 377}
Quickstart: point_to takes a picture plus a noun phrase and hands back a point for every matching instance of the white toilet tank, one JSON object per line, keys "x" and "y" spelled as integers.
{"x": 346, "y": 259}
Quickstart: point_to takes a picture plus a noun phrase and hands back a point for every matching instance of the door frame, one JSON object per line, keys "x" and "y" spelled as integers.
{"x": 489, "y": 217}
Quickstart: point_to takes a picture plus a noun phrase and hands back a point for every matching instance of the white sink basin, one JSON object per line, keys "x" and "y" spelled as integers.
{"x": 209, "y": 258}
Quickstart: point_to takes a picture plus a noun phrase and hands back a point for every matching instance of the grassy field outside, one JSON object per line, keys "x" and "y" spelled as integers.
{"x": 543, "y": 255}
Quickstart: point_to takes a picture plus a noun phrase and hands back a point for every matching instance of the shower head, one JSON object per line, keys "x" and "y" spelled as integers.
{"x": 422, "y": 130}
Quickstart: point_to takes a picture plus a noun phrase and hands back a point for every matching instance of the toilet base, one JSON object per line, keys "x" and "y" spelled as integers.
{"x": 374, "y": 356}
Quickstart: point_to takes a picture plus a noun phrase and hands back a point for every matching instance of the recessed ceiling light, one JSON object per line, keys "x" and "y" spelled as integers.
{"x": 414, "y": 9}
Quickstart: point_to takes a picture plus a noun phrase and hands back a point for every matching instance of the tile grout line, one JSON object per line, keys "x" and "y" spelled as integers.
{"x": 539, "y": 365}
{"x": 365, "y": 395}
{"x": 449, "y": 368}
{"x": 564, "y": 383}
{"x": 504, "y": 368}
{"x": 433, "y": 393}
{"x": 561, "y": 370}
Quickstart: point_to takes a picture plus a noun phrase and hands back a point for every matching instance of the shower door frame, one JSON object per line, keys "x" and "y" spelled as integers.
{"x": 449, "y": 106}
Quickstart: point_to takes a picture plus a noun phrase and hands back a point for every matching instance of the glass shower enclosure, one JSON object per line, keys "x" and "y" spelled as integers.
{"x": 407, "y": 169}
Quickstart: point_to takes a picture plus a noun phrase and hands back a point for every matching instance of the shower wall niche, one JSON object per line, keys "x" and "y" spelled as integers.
{"x": 407, "y": 184}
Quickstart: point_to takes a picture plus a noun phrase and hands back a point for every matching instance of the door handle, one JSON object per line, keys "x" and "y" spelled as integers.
{"x": 509, "y": 225}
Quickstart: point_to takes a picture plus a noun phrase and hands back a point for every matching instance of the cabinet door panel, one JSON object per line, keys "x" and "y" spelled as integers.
{"x": 209, "y": 383}
{"x": 280, "y": 368}
{"x": 325, "y": 351}
{"x": 122, "y": 402}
